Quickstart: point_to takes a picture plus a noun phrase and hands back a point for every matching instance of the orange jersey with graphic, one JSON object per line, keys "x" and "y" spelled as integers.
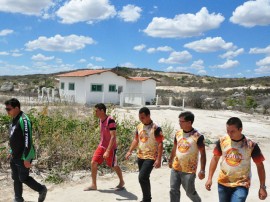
{"x": 148, "y": 138}
{"x": 236, "y": 158}
{"x": 187, "y": 151}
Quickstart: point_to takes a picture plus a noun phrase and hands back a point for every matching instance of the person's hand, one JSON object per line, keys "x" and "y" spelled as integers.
{"x": 106, "y": 154}
{"x": 128, "y": 154}
{"x": 27, "y": 164}
{"x": 262, "y": 193}
{"x": 8, "y": 156}
{"x": 201, "y": 175}
{"x": 208, "y": 184}
{"x": 157, "y": 163}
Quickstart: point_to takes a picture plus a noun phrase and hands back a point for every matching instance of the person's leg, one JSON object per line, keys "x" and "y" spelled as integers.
{"x": 18, "y": 189}
{"x": 188, "y": 182}
{"x": 175, "y": 182}
{"x": 224, "y": 193}
{"x": 112, "y": 162}
{"x": 145, "y": 169}
{"x": 240, "y": 194}
{"x": 24, "y": 177}
{"x": 97, "y": 159}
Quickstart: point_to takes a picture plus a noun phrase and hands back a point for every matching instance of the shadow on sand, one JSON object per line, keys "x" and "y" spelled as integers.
{"x": 126, "y": 195}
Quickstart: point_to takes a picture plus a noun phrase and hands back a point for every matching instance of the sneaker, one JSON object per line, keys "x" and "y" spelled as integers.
{"x": 42, "y": 194}
{"x": 18, "y": 200}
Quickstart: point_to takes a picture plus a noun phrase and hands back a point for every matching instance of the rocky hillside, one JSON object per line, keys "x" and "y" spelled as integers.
{"x": 244, "y": 94}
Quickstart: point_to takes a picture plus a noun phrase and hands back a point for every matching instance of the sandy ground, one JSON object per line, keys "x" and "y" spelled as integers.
{"x": 211, "y": 123}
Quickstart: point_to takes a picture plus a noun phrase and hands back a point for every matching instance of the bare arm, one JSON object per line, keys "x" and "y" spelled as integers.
{"x": 201, "y": 173}
{"x": 111, "y": 143}
{"x": 133, "y": 145}
{"x": 212, "y": 169}
{"x": 157, "y": 163}
{"x": 172, "y": 155}
{"x": 261, "y": 174}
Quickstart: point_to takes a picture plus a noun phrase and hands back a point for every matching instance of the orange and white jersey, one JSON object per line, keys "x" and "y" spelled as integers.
{"x": 236, "y": 158}
{"x": 148, "y": 136}
{"x": 187, "y": 151}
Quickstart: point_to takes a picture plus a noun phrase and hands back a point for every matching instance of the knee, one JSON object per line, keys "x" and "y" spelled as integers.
{"x": 23, "y": 178}
{"x": 143, "y": 178}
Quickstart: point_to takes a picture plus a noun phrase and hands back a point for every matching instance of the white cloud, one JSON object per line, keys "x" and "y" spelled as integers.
{"x": 128, "y": 64}
{"x": 227, "y": 65}
{"x": 59, "y": 43}
{"x": 184, "y": 25}
{"x": 252, "y": 13}
{"x": 232, "y": 54}
{"x": 177, "y": 58}
{"x": 5, "y": 32}
{"x": 91, "y": 66}
{"x": 97, "y": 59}
{"x": 260, "y": 50}
{"x": 29, "y": 7}
{"x": 161, "y": 48}
{"x": 130, "y": 13}
{"x": 198, "y": 64}
{"x": 16, "y": 54}
{"x": 4, "y": 53}
{"x": 139, "y": 47}
{"x": 264, "y": 62}
{"x": 40, "y": 57}
{"x": 85, "y": 11}
{"x": 209, "y": 44}
{"x": 263, "y": 70}
{"x": 82, "y": 60}
{"x": 202, "y": 72}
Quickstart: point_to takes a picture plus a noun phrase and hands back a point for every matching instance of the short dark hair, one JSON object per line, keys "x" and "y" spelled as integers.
{"x": 101, "y": 106}
{"x": 13, "y": 102}
{"x": 188, "y": 116}
{"x": 144, "y": 110}
{"x": 235, "y": 121}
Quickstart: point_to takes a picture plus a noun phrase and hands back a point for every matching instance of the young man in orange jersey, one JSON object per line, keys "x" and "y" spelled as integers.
{"x": 149, "y": 140}
{"x": 188, "y": 143}
{"x": 236, "y": 151}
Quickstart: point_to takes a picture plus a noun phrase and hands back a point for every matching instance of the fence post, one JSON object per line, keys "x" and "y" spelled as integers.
{"x": 157, "y": 100}
{"x": 170, "y": 101}
{"x": 183, "y": 103}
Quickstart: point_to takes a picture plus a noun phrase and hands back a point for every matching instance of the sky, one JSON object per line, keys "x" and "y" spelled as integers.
{"x": 220, "y": 38}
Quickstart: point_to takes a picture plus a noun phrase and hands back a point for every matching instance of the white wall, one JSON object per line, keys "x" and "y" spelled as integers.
{"x": 134, "y": 86}
{"x": 105, "y": 78}
{"x": 78, "y": 93}
{"x": 149, "y": 89}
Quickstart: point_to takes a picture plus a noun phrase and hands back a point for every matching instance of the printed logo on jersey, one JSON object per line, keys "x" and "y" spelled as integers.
{"x": 143, "y": 136}
{"x": 233, "y": 157}
{"x": 183, "y": 145}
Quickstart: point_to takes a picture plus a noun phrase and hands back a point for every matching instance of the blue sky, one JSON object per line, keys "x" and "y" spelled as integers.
{"x": 222, "y": 38}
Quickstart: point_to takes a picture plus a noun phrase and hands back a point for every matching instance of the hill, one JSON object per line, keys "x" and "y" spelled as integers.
{"x": 244, "y": 94}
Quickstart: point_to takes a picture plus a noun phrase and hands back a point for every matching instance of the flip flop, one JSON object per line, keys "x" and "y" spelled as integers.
{"x": 89, "y": 189}
{"x": 119, "y": 188}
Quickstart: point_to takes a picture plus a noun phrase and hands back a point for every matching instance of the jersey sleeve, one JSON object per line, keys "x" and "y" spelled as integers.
{"x": 159, "y": 135}
{"x": 28, "y": 153}
{"x": 112, "y": 124}
{"x": 257, "y": 155}
{"x": 200, "y": 142}
{"x": 217, "y": 150}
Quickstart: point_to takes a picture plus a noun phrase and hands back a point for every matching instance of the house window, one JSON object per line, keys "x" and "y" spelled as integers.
{"x": 112, "y": 88}
{"x": 71, "y": 86}
{"x": 96, "y": 87}
{"x": 62, "y": 85}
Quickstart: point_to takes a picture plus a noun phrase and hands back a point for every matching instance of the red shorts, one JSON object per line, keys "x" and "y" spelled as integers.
{"x": 111, "y": 161}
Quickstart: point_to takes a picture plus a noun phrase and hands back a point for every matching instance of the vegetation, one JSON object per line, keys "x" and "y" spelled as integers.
{"x": 65, "y": 142}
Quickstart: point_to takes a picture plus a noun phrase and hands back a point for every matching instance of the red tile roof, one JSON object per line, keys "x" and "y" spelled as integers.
{"x": 82, "y": 73}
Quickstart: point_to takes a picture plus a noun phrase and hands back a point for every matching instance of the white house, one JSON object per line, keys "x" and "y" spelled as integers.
{"x": 94, "y": 86}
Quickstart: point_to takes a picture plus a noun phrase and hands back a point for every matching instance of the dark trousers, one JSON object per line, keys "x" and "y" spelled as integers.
{"x": 145, "y": 169}
{"x": 20, "y": 175}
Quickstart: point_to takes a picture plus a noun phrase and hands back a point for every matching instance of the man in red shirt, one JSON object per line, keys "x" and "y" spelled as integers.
{"x": 106, "y": 149}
